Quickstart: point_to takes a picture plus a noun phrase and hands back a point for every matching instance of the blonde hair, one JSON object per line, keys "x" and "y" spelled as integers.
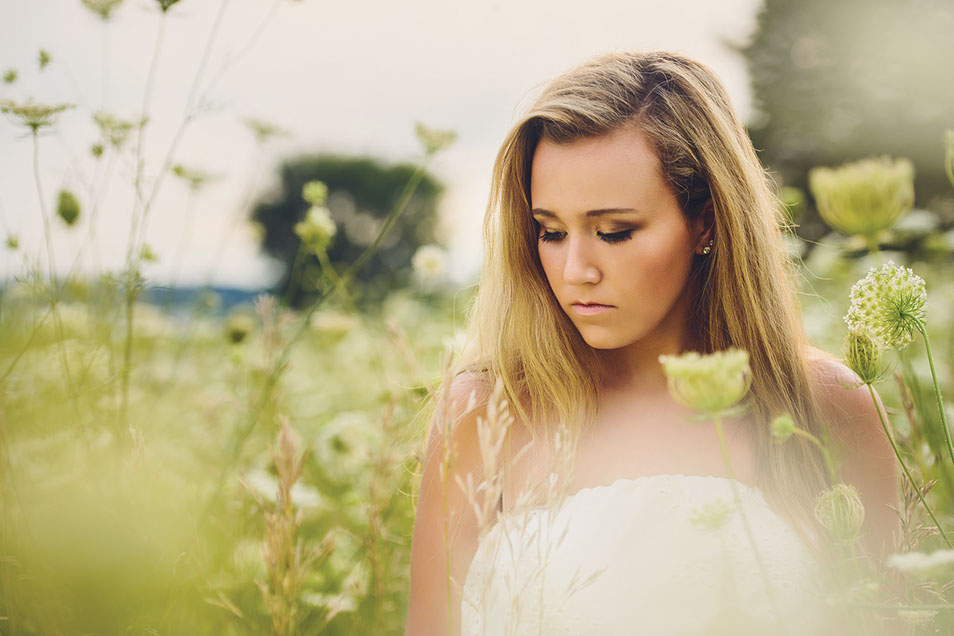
{"x": 744, "y": 290}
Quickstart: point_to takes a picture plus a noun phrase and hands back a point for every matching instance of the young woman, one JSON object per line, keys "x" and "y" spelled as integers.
{"x": 630, "y": 218}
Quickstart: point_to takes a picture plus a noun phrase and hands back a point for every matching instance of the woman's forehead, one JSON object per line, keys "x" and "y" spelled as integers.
{"x": 618, "y": 171}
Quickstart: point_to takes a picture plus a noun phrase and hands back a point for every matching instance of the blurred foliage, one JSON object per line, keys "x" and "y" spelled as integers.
{"x": 837, "y": 81}
{"x": 105, "y": 535}
{"x": 362, "y": 191}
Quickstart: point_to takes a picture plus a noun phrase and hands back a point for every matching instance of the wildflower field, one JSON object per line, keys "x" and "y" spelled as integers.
{"x": 255, "y": 470}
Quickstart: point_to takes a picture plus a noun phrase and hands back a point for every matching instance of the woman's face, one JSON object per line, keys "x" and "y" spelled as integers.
{"x": 614, "y": 244}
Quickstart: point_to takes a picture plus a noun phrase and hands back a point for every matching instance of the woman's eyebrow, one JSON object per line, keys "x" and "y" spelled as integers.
{"x": 590, "y": 214}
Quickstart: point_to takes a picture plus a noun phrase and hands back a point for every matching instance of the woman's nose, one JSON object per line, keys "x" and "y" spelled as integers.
{"x": 580, "y": 267}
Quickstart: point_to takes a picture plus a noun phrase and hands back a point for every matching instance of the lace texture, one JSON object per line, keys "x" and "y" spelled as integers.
{"x": 655, "y": 555}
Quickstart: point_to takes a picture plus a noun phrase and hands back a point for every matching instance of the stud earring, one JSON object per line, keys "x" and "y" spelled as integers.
{"x": 708, "y": 248}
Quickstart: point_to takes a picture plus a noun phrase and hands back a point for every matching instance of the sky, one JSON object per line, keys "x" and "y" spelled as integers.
{"x": 346, "y": 77}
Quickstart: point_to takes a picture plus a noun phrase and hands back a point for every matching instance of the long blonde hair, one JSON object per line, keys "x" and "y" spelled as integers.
{"x": 744, "y": 290}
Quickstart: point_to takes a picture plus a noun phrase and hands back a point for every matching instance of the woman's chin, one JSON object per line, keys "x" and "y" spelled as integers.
{"x": 604, "y": 341}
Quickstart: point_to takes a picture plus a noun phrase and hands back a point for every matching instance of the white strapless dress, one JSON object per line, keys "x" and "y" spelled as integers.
{"x": 657, "y": 555}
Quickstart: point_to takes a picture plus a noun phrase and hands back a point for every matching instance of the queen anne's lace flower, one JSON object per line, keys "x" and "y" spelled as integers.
{"x": 318, "y": 228}
{"x": 434, "y": 140}
{"x": 32, "y": 114}
{"x": 888, "y": 303}
{"x": 864, "y": 197}
{"x": 936, "y": 565}
{"x": 914, "y": 616}
{"x": 710, "y": 384}
{"x": 428, "y": 262}
{"x": 114, "y": 130}
{"x": 315, "y": 193}
{"x": 194, "y": 178}
{"x": 264, "y": 130}
{"x": 102, "y": 8}
{"x": 712, "y": 516}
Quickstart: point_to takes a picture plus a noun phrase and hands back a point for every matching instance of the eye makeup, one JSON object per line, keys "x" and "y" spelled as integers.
{"x": 606, "y": 237}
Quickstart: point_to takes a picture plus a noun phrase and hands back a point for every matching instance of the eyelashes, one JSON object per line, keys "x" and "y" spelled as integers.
{"x": 616, "y": 237}
{"x": 611, "y": 237}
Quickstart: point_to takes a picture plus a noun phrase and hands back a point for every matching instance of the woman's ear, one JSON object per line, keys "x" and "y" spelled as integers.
{"x": 703, "y": 228}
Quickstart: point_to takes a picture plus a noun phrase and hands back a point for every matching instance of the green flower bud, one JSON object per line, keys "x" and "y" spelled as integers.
{"x": 10, "y": 76}
{"x": 67, "y": 207}
{"x": 165, "y": 5}
{"x": 783, "y": 427}
{"x": 147, "y": 255}
{"x": 12, "y": 242}
{"x": 43, "y": 57}
{"x": 863, "y": 356}
{"x": 864, "y": 197}
{"x": 841, "y": 512}
{"x": 96, "y": 150}
{"x": 315, "y": 193}
{"x": 710, "y": 384}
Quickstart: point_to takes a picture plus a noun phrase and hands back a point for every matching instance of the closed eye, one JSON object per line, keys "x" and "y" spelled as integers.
{"x": 611, "y": 237}
{"x": 616, "y": 237}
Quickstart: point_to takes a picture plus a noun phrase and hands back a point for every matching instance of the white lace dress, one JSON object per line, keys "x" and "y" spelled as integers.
{"x": 656, "y": 555}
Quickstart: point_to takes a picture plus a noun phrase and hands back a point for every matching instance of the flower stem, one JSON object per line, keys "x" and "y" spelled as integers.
{"x": 829, "y": 462}
{"x": 329, "y": 270}
{"x": 55, "y": 286}
{"x": 723, "y": 447}
{"x": 937, "y": 388}
{"x": 295, "y": 276}
{"x": 904, "y": 467}
{"x": 250, "y": 420}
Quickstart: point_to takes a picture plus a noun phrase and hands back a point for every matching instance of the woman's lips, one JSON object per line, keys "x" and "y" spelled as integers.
{"x": 590, "y": 310}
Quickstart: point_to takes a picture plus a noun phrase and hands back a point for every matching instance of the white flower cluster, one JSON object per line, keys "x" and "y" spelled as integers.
{"x": 318, "y": 228}
{"x": 429, "y": 262}
{"x": 888, "y": 304}
{"x": 924, "y": 566}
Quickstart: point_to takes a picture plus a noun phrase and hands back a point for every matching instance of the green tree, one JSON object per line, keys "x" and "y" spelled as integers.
{"x": 836, "y": 81}
{"x": 361, "y": 193}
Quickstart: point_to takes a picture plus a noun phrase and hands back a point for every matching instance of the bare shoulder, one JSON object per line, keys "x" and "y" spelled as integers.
{"x": 446, "y": 530}
{"x": 854, "y": 415}
{"x": 468, "y": 391}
